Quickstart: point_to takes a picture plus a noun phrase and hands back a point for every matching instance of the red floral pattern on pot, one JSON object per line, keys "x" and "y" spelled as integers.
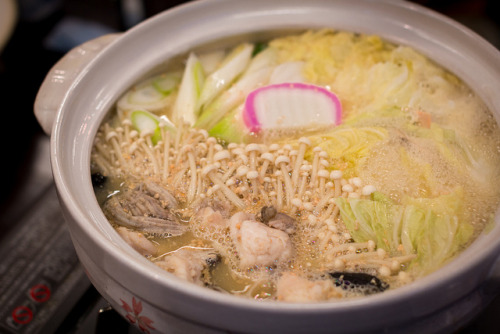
{"x": 133, "y": 315}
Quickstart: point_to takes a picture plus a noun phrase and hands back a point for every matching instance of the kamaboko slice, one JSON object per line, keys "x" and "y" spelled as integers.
{"x": 291, "y": 105}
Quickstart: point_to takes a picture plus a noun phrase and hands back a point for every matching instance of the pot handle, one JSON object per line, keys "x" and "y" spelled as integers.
{"x": 62, "y": 75}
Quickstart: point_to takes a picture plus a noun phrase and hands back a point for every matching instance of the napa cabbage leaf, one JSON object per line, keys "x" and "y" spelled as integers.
{"x": 430, "y": 228}
{"x": 347, "y": 146}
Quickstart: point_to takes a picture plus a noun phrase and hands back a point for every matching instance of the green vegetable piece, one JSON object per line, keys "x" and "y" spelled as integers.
{"x": 230, "y": 98}
{"x": 230, "y": 128}
{"x": 150, "y": 94}
{"x": 232, "y": 66}
{"x": 145, "y": 95}
{"x": 350, "y": 145}
{"x": 255, "y": 75}
{"x": 166, "y": 123}
{"x": 192, "y": 80}
{"x": 211, "y": 60}
{"x": 166, "y": 83}
{"x": 146, "y": 123}
{"x": 368, "y": 220}
{"x": 427, "y": 227}
{"x": 259, "y": 47}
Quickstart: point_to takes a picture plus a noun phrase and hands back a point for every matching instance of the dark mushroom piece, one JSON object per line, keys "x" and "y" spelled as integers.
{"x": 271, "y": 217}
{"x": 362, "y": 282}
{"x": 267, "y": 213}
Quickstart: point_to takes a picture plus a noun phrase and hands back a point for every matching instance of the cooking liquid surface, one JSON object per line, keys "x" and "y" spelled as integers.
{"x": 424, "y": 161}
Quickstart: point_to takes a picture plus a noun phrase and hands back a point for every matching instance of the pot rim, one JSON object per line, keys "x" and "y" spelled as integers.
{"x": 470, "y": 259}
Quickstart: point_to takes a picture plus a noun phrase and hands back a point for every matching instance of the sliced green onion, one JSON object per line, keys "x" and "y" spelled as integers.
{"x": 189, "y": 91}
{"x": 210, "y": 61}
{"x": 232, "y": 66}
{"x": 146, "y": 123}
{"x": 255, "y": 75}
{"x": 167, "y": 83}
{"x": 152, "y": 94}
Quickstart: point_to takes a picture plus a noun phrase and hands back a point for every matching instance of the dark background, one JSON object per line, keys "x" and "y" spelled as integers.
{"x": 47, "y": 29}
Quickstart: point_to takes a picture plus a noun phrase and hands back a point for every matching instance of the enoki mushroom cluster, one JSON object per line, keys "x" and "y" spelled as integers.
{"x": 194, "y": 166}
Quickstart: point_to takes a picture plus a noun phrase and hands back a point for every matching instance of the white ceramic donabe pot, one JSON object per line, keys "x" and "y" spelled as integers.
{"x": 83, "y": 86}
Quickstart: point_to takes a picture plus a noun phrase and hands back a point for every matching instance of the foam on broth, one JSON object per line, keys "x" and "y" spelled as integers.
{"x": 412, "y": 133}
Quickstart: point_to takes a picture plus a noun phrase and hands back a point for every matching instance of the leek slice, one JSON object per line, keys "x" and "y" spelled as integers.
{"x": 230, "y": 128}
{"x": 166, "y": 83}
{"x": 210, "y": 61}
{"x": 189, "y": 91}
{"x": 232, "y": 66}
{"x": 152, "y": 94}
{"x": 146, "y": 123}
{"x": 232, "y": 97}
{"x": 256, "y": 74}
